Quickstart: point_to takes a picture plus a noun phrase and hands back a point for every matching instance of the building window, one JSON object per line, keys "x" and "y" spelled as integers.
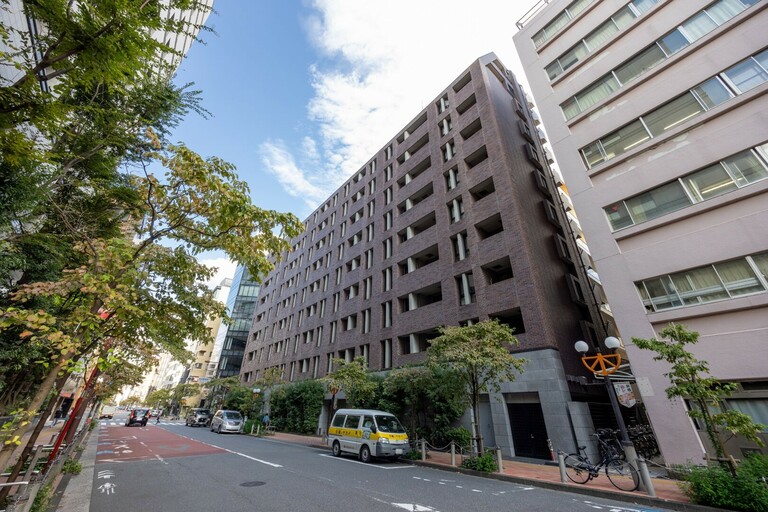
{"x": 620, "y": 20}
{"x": 388, "y": 196}
{"x": 691, "y": 30}
{"x": 466, "y": 285}
{"x": 366, "y": 321}
{"x": 387, "y": 279}
{"x": 729, "y": 174}
{"x": 561, "y": 20}
{"x": 688, "y": 105}
{"x": 388, "y": 248}
{"x": 452, "y": 178}
{"x": 446, "y": 126}
{"x": 460, "y": 246}
{"x": 442, "y": 104}
{"x": 449, "y": 150}
{"x": 388, "y": 217}
{"x": 386, "y": 354}
{"x": 719, "y": 281}
{"x": 386, "y": 314}
{"x": 456, "y": 210}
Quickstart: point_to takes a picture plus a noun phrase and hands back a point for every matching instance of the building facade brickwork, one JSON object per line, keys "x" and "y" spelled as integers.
{"x": 454, "y": 220}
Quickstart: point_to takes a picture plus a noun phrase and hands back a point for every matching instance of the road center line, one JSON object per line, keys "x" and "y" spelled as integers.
{"x": 252, "y": 458}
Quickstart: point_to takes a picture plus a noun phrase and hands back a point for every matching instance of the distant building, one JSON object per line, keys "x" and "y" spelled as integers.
{"x": 656, "y": 112}
{"x": 241, "y": 304}
{"x": 197, "y": 373}
{"x": 457, "y": 219}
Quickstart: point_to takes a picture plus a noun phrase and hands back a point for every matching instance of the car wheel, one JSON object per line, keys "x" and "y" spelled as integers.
{"x": 365, "y": 454}
{"x": 211, "y": 428}
{"x": 336, "y": 449}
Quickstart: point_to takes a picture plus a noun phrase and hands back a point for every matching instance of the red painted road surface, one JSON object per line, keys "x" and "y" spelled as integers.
{"x": 126, "y": 444}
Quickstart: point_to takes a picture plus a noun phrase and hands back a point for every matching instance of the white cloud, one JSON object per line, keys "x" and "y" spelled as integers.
{"x": 382, "y": 63}
{"x": 225, "y": 268}
{"x": 280, "y": 162}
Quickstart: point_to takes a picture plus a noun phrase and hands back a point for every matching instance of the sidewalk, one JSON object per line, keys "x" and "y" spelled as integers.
{"x": 547, "y": 476}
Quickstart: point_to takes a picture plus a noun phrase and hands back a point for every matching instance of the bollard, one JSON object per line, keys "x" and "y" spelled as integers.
{"x": 453, "y": 454}
{"x": 252, "y": 425}
{"x": 561, "y": 463}
{"x": 258, "y": 430}
{"x": 499, "y": 460}
{"x": 645, "y": 477}
{"x": 423, "y": 450}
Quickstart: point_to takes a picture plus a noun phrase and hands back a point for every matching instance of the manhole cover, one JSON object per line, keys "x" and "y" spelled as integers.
{"x": 252, "y": 484}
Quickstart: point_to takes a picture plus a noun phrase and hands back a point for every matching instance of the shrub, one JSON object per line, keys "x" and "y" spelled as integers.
{"x": 716, "y": 487}
{"x": 42, "y": 499}
{"x": 296, "y": 407}
{"x": 485, "y": 463}
{"x": 250, "y": 423}
{"x": 460, "y": 436}
{"x": 71, "y": 466}
{"x": 413, "y": 454}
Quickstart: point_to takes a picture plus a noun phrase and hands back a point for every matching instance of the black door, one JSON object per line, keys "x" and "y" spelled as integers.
{"x": 529, "y": 432}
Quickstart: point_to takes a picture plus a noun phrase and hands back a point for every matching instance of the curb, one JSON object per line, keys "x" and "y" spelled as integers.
{"x": 637, "y": 499}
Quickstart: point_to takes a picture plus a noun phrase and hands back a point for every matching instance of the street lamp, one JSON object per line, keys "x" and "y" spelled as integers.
{"x": 605, "y": 365}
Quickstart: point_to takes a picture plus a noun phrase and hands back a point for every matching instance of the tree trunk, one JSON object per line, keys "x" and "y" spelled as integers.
{"x": 476, "y": 413}
{"x": 32, "y": 440}
{"x": 46, "y": 386}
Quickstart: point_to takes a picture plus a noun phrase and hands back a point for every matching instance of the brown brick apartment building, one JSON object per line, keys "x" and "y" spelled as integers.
{"x": 457, "y": 219}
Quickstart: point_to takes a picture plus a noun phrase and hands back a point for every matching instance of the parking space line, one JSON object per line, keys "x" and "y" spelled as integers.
{"x": 404, "y": 466}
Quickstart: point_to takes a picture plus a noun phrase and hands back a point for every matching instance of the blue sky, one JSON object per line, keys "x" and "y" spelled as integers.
{"x": 303, "y": 93}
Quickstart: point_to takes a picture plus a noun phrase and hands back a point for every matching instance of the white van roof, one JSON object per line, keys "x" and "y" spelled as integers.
{"x": 372, "y": 412}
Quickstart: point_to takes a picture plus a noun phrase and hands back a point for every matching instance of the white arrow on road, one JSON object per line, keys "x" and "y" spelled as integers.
{"x": 414, "y": 507}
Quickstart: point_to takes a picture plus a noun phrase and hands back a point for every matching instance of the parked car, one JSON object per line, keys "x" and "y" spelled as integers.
{"x": 197, "y": 417}
{"x": 138, "y": 417}
{"x": 226, "y": 421}
{"x": 367, "y": 433}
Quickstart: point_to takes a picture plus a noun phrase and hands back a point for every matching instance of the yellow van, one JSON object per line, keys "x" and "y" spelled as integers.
{"x": 367, "y": 433}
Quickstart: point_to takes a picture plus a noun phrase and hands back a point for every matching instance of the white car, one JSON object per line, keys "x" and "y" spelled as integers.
{"x": 227, "y": 421}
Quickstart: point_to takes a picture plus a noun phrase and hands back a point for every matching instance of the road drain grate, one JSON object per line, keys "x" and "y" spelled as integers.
{"x": 252, "y": 484}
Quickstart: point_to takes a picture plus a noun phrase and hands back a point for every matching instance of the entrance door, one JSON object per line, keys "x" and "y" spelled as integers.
{"x": 529, "y": 432}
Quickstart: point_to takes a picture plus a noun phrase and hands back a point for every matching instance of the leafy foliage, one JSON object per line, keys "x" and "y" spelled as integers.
{"x": 690, "y": 379}
{"x": 716, "y": 487}
{"x": 480, "y": 356}
{"x": 296, "y": 407}
{"x": 352, "y": 378}
{"x": 426, "y": 400}
{"x": 71, "y": 466}
{"x": 485, "y": 463}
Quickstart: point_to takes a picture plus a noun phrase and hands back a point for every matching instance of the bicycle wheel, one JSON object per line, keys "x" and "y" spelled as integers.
{"x": 577, "y": 468}
{"x": 622, "y": 475}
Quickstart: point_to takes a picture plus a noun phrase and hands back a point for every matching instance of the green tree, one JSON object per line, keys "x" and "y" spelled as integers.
{"x": 427, "y": 400}
{"x": 140, "y": 291}
{"x": 480, "y": 356}
{"x": 132, "y": 401}
{"x": 296, "y": 407}
{"x": 352, "y": 378}
{"x": 690, "y": 379}
{"x": 159, "y": 399}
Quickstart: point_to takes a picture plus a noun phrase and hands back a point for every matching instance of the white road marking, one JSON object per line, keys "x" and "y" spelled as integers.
{"x": 160, "y": 459}
{"x": 252, "y": 458}
{"x": 342, "y": 459}
{"x": 476, "y": 490}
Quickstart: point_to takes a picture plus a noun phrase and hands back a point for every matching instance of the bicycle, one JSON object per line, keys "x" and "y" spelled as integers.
{"x": 620, "y": 473}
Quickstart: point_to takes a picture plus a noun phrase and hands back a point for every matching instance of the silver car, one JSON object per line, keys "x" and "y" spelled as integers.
{"x": 227, "y": 421}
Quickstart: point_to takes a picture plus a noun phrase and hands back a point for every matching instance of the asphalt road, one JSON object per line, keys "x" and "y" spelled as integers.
{"x": 171, "y": 467}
